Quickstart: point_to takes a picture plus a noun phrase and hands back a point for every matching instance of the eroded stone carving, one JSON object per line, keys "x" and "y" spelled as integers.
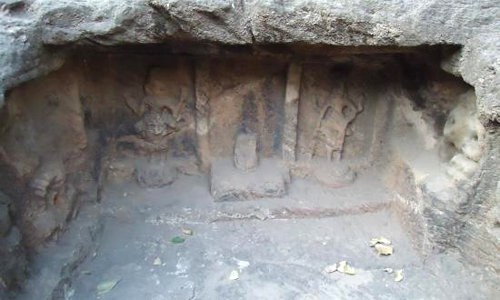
{"x": 245, "y": 152}
{"x": 464, "y": 134}
{"x": 246, "y": 178}
{"x": 49, "y": 178}
{"x": 334, "y": 118}
{"x": 292, "y": 95}
{"x": 155, "y": 130}
{"x": 161, "y": 112}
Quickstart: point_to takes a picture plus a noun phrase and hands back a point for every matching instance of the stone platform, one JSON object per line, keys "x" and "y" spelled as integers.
{"x": 268, "y": 180}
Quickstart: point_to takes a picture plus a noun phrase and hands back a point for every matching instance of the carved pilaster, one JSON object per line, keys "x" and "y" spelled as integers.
{"x": 291, "y": 111}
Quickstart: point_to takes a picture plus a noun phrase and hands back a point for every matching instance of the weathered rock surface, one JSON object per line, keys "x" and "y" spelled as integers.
{"x": 5, "y": 221}
{"x": 245, "y": 152}
{"x": 27, "y": 26}
{"x": 155, "y": 173}
{"x": 12, "y": 253}
{"x": 228, "y": 183}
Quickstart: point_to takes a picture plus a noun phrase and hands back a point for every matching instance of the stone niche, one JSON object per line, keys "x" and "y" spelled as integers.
{"x": 249, "y": 123}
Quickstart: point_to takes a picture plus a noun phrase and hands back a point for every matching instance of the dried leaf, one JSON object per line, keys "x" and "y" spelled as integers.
{"x": 344, "y": 267}
{"x": 384, "y": 249}
{"x": 187, "y": 231}
{"x": 398, "y": 275}
{"x": 234, "y": 275}
{"x": 330, "y": 268}
{"x": 177, "y": 240}
{"x": 242, "y": 264}
{"x": 389, "y": 270}
{"x": 107, "y": 286}
{"x": 379, "y": 240}
{"x": 157, "y": 262}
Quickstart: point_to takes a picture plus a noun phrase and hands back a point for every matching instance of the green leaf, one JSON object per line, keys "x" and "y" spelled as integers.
{"x": 177, "y": 240}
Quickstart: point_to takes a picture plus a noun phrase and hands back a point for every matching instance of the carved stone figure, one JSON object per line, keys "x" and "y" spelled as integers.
{"x": 161, "y": 109}
{"x": 334, "y": 118}
{"x": 154, "y": 130}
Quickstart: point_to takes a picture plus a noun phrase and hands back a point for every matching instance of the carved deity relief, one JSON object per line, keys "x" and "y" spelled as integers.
{"x": 161, "y": 111}
{"x": 154, "y": 131}
{"x": 336, "y": 113}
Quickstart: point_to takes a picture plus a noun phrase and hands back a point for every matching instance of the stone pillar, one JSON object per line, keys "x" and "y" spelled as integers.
{"x": 202, "y": 81}
{"x": 291, "y": 111}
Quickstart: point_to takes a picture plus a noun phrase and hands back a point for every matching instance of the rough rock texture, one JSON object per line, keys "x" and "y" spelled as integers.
{"x": 12, "y": 253}
{"x": 155, "y": 173}
{"x": 465, "y": 134}
{"x": 5, "y": 221}
{"x": 227, "y": 183}
{"x": 29, "y": 26}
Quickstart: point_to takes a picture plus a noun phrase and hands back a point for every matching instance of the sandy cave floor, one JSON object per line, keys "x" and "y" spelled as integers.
{"x": 278, "y": 246}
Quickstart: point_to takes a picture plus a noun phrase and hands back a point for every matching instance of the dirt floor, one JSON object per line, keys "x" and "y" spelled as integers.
{"x": 278, "y": 247}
